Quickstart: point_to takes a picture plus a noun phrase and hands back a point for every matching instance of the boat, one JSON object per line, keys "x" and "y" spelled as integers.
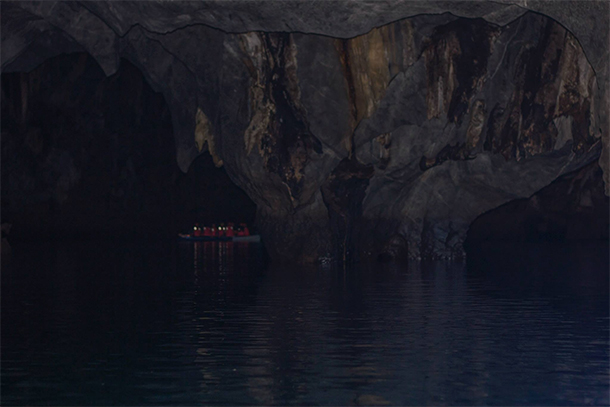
{"x": 236, "y": 239}
{"x": 213, "y": 234}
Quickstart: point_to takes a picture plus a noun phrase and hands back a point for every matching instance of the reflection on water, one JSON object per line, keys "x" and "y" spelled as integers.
{"x": 190, "y": 323}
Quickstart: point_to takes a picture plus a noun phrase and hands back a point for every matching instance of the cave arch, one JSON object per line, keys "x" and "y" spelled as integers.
{"x": 209, "y": 196}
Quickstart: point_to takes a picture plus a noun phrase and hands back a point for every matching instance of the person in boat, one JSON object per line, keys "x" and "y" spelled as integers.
{"x": 207, "y": 231}
{"x": 229, "y": 232}
{"x": 244, "y": 230}
{"x": 196, "y": 230}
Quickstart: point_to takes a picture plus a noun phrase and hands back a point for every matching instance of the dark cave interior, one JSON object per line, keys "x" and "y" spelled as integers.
{"x": 85, "y": 155}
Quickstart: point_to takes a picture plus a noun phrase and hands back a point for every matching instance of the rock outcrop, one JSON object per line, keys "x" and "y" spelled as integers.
{"x": 356, "y": 129}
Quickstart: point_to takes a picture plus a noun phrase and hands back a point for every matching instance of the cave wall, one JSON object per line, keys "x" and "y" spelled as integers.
{"x": 366, "y": 128}
{"x": 499, "y": 129}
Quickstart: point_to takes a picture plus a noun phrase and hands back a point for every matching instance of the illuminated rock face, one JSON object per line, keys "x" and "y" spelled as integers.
{"x": 498, "y": 110}
{"x": 393, "y": 140}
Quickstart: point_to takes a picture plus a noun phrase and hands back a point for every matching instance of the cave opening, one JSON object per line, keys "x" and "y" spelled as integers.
{"x": 86, "y": 155}
{"x": 572, "y": 208}
{"x": 210, "y": 197}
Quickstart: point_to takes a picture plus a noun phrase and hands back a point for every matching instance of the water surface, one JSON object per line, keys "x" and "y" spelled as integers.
{"x": 166, "y": 323}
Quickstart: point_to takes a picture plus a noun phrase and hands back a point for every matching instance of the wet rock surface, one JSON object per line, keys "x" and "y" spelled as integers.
{"x": 385, "y": 135}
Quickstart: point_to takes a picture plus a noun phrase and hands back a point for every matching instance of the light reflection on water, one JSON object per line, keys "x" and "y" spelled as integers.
{"x": 100, "y": 323}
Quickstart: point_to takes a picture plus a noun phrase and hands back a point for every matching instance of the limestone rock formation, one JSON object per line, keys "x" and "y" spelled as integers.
{"x": 355, "y": 124}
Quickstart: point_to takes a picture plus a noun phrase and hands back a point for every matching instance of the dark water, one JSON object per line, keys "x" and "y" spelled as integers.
{"x": 164, "y": 323}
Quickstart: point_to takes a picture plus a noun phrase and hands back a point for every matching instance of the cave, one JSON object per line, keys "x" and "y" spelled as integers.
{"x": 375, "y": 139}
{"x": 426, "y": 183}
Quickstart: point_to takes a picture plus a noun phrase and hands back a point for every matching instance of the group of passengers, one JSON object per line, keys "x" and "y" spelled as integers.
{"x": 221, "y": 231}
